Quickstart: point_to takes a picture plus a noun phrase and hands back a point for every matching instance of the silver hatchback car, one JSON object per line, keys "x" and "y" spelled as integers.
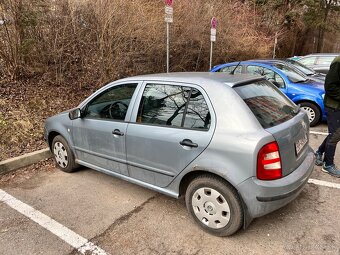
{"x": 233, "y": 145}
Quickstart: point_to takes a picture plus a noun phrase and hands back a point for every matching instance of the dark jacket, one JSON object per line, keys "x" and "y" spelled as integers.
{"x": 332, "y": 85}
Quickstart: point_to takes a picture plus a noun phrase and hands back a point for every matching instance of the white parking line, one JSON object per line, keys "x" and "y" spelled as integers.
{"x": 83, "y": 245}
{"x": 324, "y": 183}
{"x": 318, "y": 133}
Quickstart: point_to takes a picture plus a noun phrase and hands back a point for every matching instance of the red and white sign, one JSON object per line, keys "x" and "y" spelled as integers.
{"x": 168, "y": 2}
{"x": 169, "y": 11}
{"x": 213, "y": 29}
{"x": 213, "y": 23}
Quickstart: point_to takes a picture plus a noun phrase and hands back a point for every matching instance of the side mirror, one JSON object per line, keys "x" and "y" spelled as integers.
{"x": 74, "y": 114}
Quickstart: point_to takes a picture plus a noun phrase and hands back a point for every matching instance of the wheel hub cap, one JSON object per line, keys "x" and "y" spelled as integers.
{"x": 60, "y": 154}
{"x": 211, "y": 208}
{"x": 310, "y": 113}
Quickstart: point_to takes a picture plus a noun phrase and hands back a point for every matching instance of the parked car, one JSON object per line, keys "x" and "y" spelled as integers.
{"x": 301, "y": 69}
{"x": 319, "y": 62}
{"x": 305, "y": 92}
{"x": 310, "y": 73}
{"x": 234, "y": 145}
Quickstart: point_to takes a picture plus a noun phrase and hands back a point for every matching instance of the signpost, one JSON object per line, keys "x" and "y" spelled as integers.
{"x": 168, "y": 19}
{"x": 213, "y": 24}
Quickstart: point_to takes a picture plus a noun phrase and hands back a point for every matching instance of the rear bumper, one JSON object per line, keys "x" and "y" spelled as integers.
{"x": 263, "y": 197}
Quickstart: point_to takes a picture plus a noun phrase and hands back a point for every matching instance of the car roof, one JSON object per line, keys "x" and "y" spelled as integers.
{"x": 199, "y": 78}
{"x": 271, "y": 61}
{"x": 321, "y": 54}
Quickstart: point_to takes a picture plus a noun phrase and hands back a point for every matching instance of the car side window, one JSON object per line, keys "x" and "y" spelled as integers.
{"x": 197, "y": 114}
{"x": 270, "y": 75}
{"x": 112, "y": 104}
{"x": 229, "y": 69}
{"x": 172, "y": 105}
{"x": 308, "y": 61}
{"x": 324, "y": 60}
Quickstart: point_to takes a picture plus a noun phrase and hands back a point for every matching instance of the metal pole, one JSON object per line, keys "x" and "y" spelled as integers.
{"x": 275, "y": 43}
{"x": 211, "y": 50}
{"x": 167, "y": 47}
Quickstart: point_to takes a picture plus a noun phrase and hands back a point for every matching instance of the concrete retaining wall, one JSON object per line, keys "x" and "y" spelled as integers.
{"x": 24, "y": 160}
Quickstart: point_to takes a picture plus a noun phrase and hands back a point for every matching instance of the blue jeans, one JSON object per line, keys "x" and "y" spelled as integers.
{"x": 329, "y": 144}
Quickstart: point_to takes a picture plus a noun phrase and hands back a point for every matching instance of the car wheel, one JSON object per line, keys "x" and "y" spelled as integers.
{"x": 313, "y": 113}
{"x": 214, "y": 205}
{"x": 63, "y": 155}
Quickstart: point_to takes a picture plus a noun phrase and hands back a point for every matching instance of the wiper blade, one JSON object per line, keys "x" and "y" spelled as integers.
{"x": 296, "y": 109}
{"x": 301, "y": 81}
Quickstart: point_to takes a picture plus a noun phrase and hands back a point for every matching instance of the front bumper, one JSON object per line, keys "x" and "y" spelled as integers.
{"x": 263, "y": 197}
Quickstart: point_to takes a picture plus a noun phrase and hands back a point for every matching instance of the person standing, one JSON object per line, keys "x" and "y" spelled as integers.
{"x": 332, "y": 107}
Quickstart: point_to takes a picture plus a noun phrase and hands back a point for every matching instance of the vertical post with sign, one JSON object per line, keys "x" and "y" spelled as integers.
{"x": 213, "y": 24}
{"x": 275, "y": 44}
{"x": 168, "y": 19}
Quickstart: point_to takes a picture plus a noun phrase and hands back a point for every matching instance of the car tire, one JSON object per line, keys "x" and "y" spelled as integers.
{"x": 63, "y": 155}
{"x": 215, "y": 205}
{"x": 313, "y": 112}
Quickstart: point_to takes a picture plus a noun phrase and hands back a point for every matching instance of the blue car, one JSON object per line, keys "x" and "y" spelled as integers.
{"x": 305, "y": 92}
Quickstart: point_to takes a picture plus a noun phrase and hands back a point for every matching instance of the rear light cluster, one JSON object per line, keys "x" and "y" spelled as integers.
{"x": 269, "y": 162}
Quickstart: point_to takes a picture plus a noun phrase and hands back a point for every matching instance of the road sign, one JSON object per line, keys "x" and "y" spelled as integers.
{"x": 169, "y": 11}
{"x": 213, "y": 34}
{"x": 168, "y": 2}
{"x": 213, "y": 23}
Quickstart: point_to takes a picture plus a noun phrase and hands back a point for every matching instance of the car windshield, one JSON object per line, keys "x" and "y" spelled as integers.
{"x": 269, "y": 105}
{"x": 291, "y": 74}
{"x": 301, "y": 67}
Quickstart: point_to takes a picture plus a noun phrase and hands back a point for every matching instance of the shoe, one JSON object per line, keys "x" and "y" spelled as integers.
{"x": 318, "y": 158}
{"x": 332, "y": 170}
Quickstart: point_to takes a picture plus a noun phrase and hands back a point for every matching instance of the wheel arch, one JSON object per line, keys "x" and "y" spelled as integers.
{"x": 299, "y": 101}
{"x": 188, "y": 177}
{"x": 50, "y": 138}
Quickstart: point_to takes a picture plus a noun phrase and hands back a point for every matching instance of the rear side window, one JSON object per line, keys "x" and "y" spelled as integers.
{"x": 324, "y": 60}
{"x": 307, "y": 61}
{"x": 269, "y": 105}
{"x": 176, "y": 106}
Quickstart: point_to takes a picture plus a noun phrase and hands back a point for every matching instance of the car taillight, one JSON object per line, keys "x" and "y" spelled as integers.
{"x": 269, "y": 162}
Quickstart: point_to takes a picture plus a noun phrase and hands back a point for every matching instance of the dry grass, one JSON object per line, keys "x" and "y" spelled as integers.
{"x": 100, "y": 40}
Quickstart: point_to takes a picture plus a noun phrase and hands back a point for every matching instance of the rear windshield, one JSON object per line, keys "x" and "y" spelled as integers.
{"x": 269, "y": 105}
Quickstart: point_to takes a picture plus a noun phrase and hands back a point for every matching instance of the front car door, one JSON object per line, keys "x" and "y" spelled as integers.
{"x": 169, "y": 128}
{"x": 99, "y": 136}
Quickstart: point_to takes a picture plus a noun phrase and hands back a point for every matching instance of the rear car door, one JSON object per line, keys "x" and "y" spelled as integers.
{"x": 171, "y": 125}
{"x": 99, "y": 136}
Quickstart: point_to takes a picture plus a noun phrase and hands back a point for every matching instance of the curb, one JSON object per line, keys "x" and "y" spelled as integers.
{"x": 12, "y": 164}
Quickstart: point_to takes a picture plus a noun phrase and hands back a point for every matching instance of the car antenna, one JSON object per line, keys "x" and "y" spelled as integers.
{"x": 233, "y": 71}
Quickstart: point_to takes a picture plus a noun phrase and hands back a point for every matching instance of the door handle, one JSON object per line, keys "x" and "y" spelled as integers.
{"x": 117, "y": 132}
{"x": 189, "y": 143}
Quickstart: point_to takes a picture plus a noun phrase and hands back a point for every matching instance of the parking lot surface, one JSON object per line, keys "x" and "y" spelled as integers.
{"x": 121, "y": 218}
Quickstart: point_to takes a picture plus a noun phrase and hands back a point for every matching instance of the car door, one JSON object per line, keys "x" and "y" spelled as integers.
{"x": 170, "y": 126}
{"x": 99, "y": 135}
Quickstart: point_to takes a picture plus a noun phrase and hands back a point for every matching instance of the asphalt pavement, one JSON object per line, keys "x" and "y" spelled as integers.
{"x": 49, "y": 211}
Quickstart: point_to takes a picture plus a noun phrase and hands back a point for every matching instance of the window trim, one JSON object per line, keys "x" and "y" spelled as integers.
{"x": 83, "y": 105}
{"x": 133, "y": 118}
{"x": 274, "y": 71}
